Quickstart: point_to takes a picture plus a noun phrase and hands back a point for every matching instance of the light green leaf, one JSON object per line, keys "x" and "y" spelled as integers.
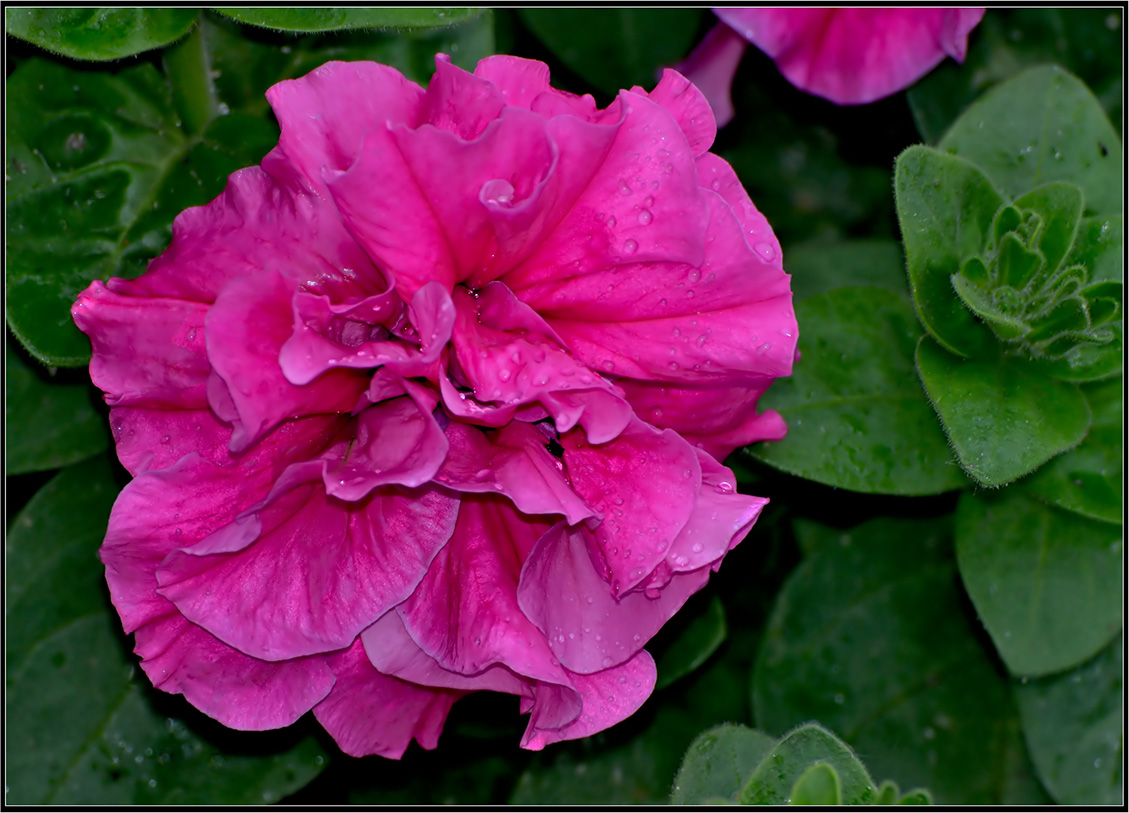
{"x": 1005, "y": 417}
{"x": 946, "y": 207}
{"x": 818, "y": 785}
{"x": 99, "y": 33}
{"x": 1040, "y": 126}
{"x": 337, "y": 19}
{"x": 718, "y": 763}
{"x": 1074, "y": 724}
{"x": 857, "y": 417}
{"x": 52, "y": 420}
{"x": 870, "y": 637}
{"x": 787, "y": 763}
{"x": 1046, "y": 583}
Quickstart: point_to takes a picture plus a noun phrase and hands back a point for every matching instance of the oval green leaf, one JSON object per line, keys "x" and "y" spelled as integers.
{"x": 53, "y": 419}
{"x": 717, "y": 764}
{"x": 857, "y": 417}
{"x": 1040, "y": 126}
{"x": 1046, "y": 583}
{"x": 99, "y": 33}
{"x": 337, "y": 19}
{"x": 1005, "y": 417}
{"x": 870, "y": 637}
{"x": 817, "y": 267}
{"x": 786, "y": 766}
{"x": 818, "y": 785}
{"x": 945, "y": 210}
{"x": 1074, "y": 724}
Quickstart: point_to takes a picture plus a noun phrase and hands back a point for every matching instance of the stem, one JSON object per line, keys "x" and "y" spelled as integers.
{"x": 189, "y": 72}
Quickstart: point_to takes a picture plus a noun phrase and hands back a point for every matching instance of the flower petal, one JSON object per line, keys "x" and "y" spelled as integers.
{"x": 370, "y": 713}
{"x": 688, "y": 105}
{"x": 712, "y": 65}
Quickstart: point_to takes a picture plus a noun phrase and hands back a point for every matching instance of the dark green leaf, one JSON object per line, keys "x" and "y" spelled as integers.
{"x": 336, "y": 19}
{"x": 718, "y": 763}
{"x": 1089, "y": 479}
{"x": 1060, "y": 207}
{"x": 786, "y": 764}
{"x": 615, "y": 48}
{"x": 946, "y": 207}
{"x": 82, "y": 727}
{"x": 1087, "y": 362}
{"x": 99, "y": 33}
{"x": 1043, "y": 125}
{"x": 699, "y": 637}
{"x": 818, "y": 785}
{"x": 99, "y": 168}
{"x": 1074, "y": 724}
{"x": 916, "y": 797}
{"x": 820, "y": 267}
{"x": 887, "y": 793}
{"x": 1004, "y": 417}
{"x": 1085, "y": 41}
{"x": 857, "y": 417}
{"x": 870, "y": 637}
{"x": 52, "y": 420}
{"x": 1046, "y": 583}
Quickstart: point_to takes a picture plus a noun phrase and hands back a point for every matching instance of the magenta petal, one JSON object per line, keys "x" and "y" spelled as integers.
{"x": 645, "y": 484}
{"x": 716, "y": 174}
{"x": 241, "y": 692}
{"x": 514, "y": 462}
{"x": 326, "y": 114}
{"x": 717, "y": 418}
{"x": 151, "y": 439}
{"x": 459, "y": 102}
{"x": 305, "y": 573}
{"x": 855, "y": 55}
{"x": 712, "y": 65}
{"x": 370, "y": 713}
{"x": 606, "y": 697}
{"x": 246, "y": 328}
{"x": 395, "y": 442}
{"x": 464, "y": 613}
{"x": 597, "y": 631}
{"x": 393, "y": 652}
{"x": 690, "y": 109}
{"x": 146, "y": 351}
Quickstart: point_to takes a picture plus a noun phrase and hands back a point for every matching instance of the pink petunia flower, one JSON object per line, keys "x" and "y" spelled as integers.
{"x": 433, "y": 402}
{"x": 844, "y": 55}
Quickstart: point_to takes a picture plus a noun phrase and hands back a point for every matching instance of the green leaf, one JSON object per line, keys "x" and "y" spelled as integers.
{"x": 1074, "y": 724}
{"x": 887, "y": 793}
{"x": 1085, "y": 41}
{"x": 817, "y": 267}
{"x": 99, "y": 33}
{"x": 83, "y": 727}
{"x": 615, "y": 48}
{"x": 787, "y": 763}
{"x": 337, "y": 19}
{"x": 52, "y": 419}
{"x": 1100, "y": 247}
{"x": 946, "y": 208}
{"x": 699, "y": 634}
{"x": 1045, "y": 583}
{"x": 870, "y": 637}
{"x": 99, "y": 167}
{"x": 1060, "y": 207}
{"x": 718, "y": 763}
{"x": 1004, "y": 417}
{"x": 916, "y": 797}
{"x": 818, "y": 785}
{"x": 1089, "y": 479}
{"x": 1043, "y": 125}
{"x": 857, "y": 416}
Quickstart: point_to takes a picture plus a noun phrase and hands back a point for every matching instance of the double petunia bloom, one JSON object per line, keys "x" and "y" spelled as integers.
{"x": 432, "y": 402}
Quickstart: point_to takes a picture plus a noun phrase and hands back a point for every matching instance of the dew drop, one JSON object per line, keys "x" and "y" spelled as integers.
{"x": 645, "y": 217}
{"x": 766, "y": 251}
{"x": 630, "y": 246}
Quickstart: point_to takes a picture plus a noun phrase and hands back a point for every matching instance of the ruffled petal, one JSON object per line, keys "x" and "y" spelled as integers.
{"x": 688, "y": 106}
{"x": 305, "y": 573}
{"x": 711, "y": 67}
{"x": 370, "y": 713}
{"x": 146, "y": 351}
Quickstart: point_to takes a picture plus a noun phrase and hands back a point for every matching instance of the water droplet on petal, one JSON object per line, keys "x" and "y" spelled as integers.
{"x": 645, "y": 217}
{"x": 630, "y": 246}
{"x": 766, "y": 251}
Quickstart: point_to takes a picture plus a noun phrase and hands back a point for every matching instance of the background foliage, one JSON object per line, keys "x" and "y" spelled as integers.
{"x": 937, "y": 585}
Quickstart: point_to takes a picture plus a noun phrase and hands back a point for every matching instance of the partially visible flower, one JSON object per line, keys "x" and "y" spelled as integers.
{"x": 844, "y": 55}
{"x": 433, "y": 402}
